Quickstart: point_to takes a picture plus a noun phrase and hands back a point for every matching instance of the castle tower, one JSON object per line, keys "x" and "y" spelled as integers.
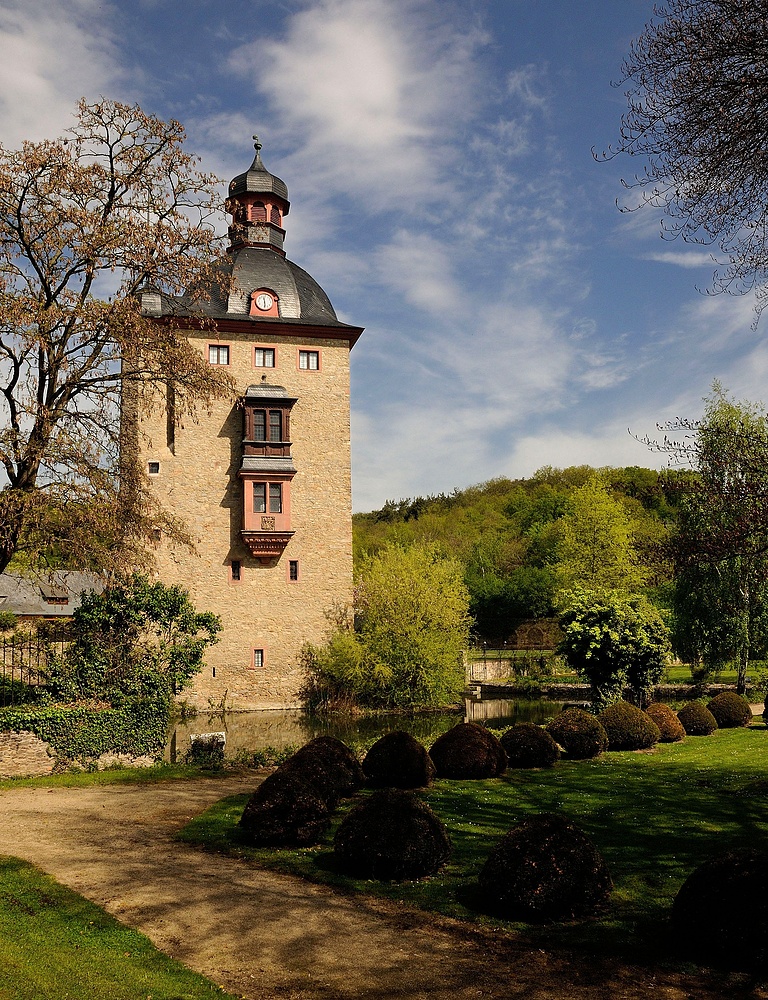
{"x": 264, "y": 485}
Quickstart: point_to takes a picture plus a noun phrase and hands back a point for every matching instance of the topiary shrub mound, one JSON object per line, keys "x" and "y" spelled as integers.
{"x": 330, "y": 765}
{"x": 721, "y": 910}
{"x": 527, "y": 745}
{"x": 579, "y": 734}
{"x": 285, "y": 809}
{"x": 468, "y": 751}
{"x": 545, "y": 868}
{"x": 670, "y": 727}
{"x": 696, "y": 719}
{"x": 398, "y": 760}
{"x": 628, "y": 728}
{"x": 293, "y": 805}
{"x": 391, "y": 836}
{"x": 730, "y": 710}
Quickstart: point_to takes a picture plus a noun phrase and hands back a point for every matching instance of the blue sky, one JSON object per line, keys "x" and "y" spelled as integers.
{"x": 443, "y": 192}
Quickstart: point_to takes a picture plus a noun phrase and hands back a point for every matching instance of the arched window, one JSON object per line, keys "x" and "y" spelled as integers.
{"x": 258, "y": 212}
{"x": 274, "y": 215}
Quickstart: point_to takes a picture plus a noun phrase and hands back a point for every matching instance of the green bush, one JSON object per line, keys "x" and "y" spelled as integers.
{"x": 402, "y": 644}
{"x": 627, "y": 728}
{"x": 720, "y": 913}
{"x": 468, "y": 751}
{"x": 398, "y": 760}
{"x": 696, "y": 719}
{"x": 579, "y": 734}
{"x": 670, "y": 727}
{"x": 206, "y": 752}
{"x": 730, "y": 710}
{"x": 392, "y": 835}
{"x": 528, "y": 745}
{"x": 8, "y": 621}
{"x": 545, "y": 868}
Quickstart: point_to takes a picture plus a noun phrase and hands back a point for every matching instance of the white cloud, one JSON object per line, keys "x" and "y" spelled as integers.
{"x": 51, "y": 55}
{"x": 685, "y": 258}
{"x": 375, "y": 89}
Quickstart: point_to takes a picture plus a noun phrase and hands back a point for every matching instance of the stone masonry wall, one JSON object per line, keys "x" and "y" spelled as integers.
{"x": 198, "y": 481}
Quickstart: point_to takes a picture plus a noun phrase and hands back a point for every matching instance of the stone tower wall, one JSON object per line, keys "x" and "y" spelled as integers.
{"x": 198, "y": 482}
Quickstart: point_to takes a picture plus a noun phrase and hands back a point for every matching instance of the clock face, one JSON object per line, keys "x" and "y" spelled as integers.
{"x": 264, "y": 301}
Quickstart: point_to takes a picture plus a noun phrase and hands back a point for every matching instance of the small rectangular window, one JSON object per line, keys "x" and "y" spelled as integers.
{"x": 259, "y": 498}
{"x": 293, "y": 570}
{"x": 153, "y": 468}
{"x": 275, "y": 498}
{"x": 309, "y": 360}
{"x": 258, "y": 658}
{"x": 275, "y": 425}
{"x": 259, "y": 425}
{"x": 218, "y": 354}
{"x": 235, "y": 566}
{"x": 264, "y": 357}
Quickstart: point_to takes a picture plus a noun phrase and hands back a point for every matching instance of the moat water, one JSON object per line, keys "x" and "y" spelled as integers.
{"x": 256, "y": 730}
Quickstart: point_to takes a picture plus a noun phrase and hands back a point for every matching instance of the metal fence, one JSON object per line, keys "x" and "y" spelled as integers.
{"x": 25, "y": 656}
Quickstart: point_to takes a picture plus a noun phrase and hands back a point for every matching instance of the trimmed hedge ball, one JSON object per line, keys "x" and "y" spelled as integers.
{"x": 398, "y": 760}
{"x": 670, "y": 727}
{"x": 330, "y": 765}
{"x": 391, "y": 836}
{"x": 696, "y": 719}
{"x": 468, "y": 751}
{"x": 285, "y": 809}
{"x": 528, "y": 745}
{"x": 628, "y": 728}
{"x": 721, "y": 910}
{"x": 730, "y": 710}
{"x": 545, "y": 868}
{"x": 579, "y": 734}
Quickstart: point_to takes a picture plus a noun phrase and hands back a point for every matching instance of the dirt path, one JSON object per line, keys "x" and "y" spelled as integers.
{"x": 262, "y": 935}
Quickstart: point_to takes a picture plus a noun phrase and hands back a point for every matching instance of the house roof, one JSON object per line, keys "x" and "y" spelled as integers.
{"x": 46, "y": 595}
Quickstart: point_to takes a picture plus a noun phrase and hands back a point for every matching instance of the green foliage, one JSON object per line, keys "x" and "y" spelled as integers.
{"x": 696, "y": 719}
{"x": 8, "y": 621}
{"x": 613, "y": 640}
{"x": 627, "y": 728}
{"x": 669, "y": 726}
{"x": 411, "y": 628}
{"x": 596, "y": 547}
{"x": 720, "y": 544}
{"x": 507, "y": 536}
{"x": 137, "y": 640}
{"x": 206, "y": 752}
{"x": 83, "y": 734}
{"x": 730, "y": 710}
{"x": 580, "y": 734}
{"x": 527, "y": 745}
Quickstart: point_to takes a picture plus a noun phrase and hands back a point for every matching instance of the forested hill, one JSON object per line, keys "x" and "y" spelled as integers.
{"x": 521, "y": 540}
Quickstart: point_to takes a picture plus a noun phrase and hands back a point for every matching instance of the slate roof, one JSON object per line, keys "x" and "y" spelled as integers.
{"x": 45, "y": 596}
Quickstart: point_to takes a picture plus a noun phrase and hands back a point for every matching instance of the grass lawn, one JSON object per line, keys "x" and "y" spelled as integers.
{"x": 114, "y": 776}
{"x": 655, "y": 816}
{"x": 55, "y": 945}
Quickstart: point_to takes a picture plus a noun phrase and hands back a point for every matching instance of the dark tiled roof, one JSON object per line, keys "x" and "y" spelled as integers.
{"x": 44, "y": 596}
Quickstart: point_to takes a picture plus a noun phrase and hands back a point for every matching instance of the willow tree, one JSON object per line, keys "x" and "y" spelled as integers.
{"x": 696, "y": 83}
{"x": 86, "y": 222}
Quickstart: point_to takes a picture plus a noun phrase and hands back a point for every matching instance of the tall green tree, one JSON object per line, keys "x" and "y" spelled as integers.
{"x": 596, "y": 545}
{"x": 720, "y": 546}
{"x": 405, "y": 643}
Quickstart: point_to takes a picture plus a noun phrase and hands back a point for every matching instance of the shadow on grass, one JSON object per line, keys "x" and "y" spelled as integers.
{"x": 655, "y": 816}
